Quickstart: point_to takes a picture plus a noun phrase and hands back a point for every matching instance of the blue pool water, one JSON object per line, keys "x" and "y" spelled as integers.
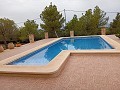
{"x": 45, "y": 55}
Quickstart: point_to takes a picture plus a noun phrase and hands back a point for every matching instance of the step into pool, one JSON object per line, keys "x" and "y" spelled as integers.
{"x": 44, "y": 55}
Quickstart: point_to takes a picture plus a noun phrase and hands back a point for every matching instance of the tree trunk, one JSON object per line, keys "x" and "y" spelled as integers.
{"x": 5, "y": 42}
{"x": 56, "y": 34}
{"x": 4, "y": 37}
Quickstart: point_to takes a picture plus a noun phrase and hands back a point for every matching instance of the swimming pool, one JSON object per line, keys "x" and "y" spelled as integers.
{"x": 45, "y": 55}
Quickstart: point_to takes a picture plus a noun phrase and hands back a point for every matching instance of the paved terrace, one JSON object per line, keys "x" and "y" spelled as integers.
{"x": 82, "y": 72}
{"x": 114, "y": 38}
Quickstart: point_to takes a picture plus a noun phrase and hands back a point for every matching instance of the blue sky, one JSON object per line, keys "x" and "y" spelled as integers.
{"x": 21, "y": 10}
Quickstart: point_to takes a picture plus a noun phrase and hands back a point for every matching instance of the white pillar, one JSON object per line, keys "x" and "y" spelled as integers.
{"x": 31, "y": 38}
{"x": 71, "y": 33}
{"x": 46, "y": 35}
{"x": 103, "y": 31}
{"x": 1, "y": 48}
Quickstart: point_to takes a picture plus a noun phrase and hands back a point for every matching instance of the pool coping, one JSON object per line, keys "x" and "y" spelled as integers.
{"x": 55, "y": 66}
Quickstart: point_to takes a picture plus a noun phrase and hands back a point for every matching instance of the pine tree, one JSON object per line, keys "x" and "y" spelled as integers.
{"x": 73, "y": 25}
{"x": 90, "y": 22}
{"x": 52, "y": 20}
{"x": 99, "y": 17}
{"x": 115, "y": 25}
{"x": 30, "y": 27}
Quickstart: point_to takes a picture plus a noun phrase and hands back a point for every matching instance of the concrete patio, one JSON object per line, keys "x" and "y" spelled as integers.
{"x": 81, "y": 72}
{"x": 114, "y": 38}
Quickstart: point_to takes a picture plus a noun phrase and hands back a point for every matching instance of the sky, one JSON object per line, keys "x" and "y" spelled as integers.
{"x": 21, "y": 10}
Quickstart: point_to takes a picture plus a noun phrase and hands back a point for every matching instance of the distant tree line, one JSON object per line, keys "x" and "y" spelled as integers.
{"x": 53, "y": 23}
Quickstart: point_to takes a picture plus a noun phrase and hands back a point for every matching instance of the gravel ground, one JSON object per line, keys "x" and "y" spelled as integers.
{"x": 84, "y": 72}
